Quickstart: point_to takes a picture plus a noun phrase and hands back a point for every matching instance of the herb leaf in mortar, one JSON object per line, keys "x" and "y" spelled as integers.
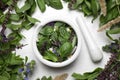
{"x": 56, "y": 41}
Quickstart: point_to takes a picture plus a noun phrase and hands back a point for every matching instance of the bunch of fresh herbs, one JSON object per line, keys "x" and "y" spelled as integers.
{"x": 57, "y": 41}
{"x": 12, "y": 66}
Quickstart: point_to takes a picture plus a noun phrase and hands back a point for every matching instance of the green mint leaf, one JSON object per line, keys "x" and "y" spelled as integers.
{"x": 95, "y": 8}
{"x": 27, "y": 25}
{"x": 57, "y": 4}
{"x": 41, "y": 5}
{"x": 32, "y": 20}
{"x": 57, "y": 25}
{"x": 2, "y": 18}
{"x": 14, "y": 17}
{"x": 86, "y": 10}
{"x": 14, "y": 26}
{"x": 50, "y": 56}
{"x": 47, "y": 30}
{"x": 16, "y": 38}
{"x": 14, "y": 60}
{"x": 64, "y": 34}
{"x": 26, "y": 7}
{"x": 41, "y": 41}
{"x": 88, "y": 3}
{"x": 33, "y": 7}
{"x": 66, "y": 49}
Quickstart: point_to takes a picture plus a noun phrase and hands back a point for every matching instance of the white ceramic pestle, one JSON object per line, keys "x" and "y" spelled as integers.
{"x": 94, "y": 51}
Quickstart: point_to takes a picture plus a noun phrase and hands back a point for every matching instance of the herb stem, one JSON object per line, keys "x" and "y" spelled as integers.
{"x": 10, "y": 8}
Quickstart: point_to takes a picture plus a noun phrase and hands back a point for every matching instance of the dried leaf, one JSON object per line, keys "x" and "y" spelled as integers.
{"x": 103, "y": 7}
{"x": 61, "y": 77}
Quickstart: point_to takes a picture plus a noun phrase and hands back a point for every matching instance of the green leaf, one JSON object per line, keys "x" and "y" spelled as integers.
{"x": 41, "y": 5}
{"x": 26, "y": 7}
{"x": 33, "y": 7}
{"x": 41, "y": 41}
{"x": 50, "y": 56}
{"x": 66, "y": 49}
{"x": 27, "y": 25}
{"x": 88, "y": 3}
{"x": 58, "y": 24}
{"x": 114, "y": 31}
{"x": 57, "y": 4}
{"x": 13, "y": 59}
{"x": 32, "y": 20}
{"x": 14, "y": 17}
{"x": 64, "y": 33}
{"x": 95, "y": 8}
{"x": 47, "y": 30}
{"x": 54, "y": 36}
{"x": 88, "y": 75}
{"x": 86, "y": 10}
{"x": 2, "y": 18}
{"x": 14, "y": 26}
{"x": 26, "y": 59}
{"x": 16, "y": 38}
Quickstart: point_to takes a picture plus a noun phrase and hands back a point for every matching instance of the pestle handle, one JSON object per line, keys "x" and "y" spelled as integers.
{"x": 94, "y": 51}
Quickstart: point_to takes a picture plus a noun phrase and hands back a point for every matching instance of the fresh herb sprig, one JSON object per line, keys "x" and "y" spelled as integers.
{"x": 13, "y": 67}
{"x": 16, "y": 21}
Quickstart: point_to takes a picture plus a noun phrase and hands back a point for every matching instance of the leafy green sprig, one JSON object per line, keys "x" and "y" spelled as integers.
{"x": 20, "y": 19}
{"x": 13, "y": 67}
